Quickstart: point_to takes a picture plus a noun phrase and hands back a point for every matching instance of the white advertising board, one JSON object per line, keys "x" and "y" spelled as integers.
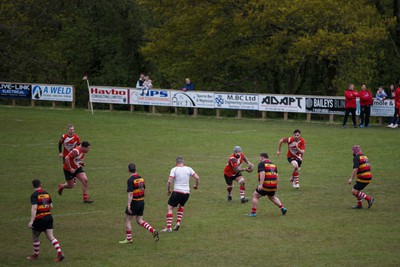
{"x": 383, "y": 108}
{"x": 152, "y": 97}
{"x": 236, "y": 101}
{"x": 282, "y": 103}
{"x": 52, "y": 92}
{"x": 109, "y": 95}
{"x": 192, "y": 99}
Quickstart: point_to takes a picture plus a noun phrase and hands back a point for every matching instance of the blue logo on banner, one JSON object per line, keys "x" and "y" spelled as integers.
{"x": 37, "y": 92}
{"x": 219, "y": 100}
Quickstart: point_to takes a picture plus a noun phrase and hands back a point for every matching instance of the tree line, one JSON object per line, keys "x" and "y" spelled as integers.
{"x": 284, "y": 47}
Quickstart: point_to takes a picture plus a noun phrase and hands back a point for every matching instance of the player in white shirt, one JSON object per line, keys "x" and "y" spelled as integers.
{"x": 181, "y": 175}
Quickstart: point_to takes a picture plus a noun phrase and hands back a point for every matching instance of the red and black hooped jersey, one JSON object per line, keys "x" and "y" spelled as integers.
{"x": 364, "y": 174}
{"x": 43, "y": 200}
{"x": 271, "y": 174}
{"x": 136, "y": 186}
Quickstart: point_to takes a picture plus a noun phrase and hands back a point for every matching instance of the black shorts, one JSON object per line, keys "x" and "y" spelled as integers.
{"x": 42, "y": 224}
{"x": 178, "y": 199}
{"x": 265, "y": 193}
{"x": 359, "y": 186}
{"x": 69, "y": 176}
{"x": 137, "y": 208}
{"x": 229, "y": 179}
{"x": 290, "y": 159}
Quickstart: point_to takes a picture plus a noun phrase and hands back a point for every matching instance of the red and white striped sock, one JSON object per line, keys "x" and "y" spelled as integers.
{"x": 129, "y": 235}
{"x": 85, "y": 196}
{"x": 295, "y": 177}
{"x": 253, "y": 210}
{"x": 359, "y": 202}
{"x": 147, "y": 226}
{"x": 229, "y": 189}
{"x": 362, "y": 195}
{"x": 242, "y": 190}
{"x": 169, "y": 220}
{"x": 56, "y": 245}
{"x": 36, "y": 247}
{"x": 179, "y": 215}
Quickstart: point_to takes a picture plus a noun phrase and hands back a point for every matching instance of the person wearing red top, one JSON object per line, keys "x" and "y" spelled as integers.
{"x": 232, "y": 172}
{"x": 397, "y": 113}
{"x": 267, "y": 185}
{"x": 68, "y": 141}
{"x": 366, "y": 102}
{"x": 395, "y": 120}
{"x": 73, "y": 164}
{"x": 296, "y": 150}
{"x": 361, "y": 169}
{"x": 350, "y": 105}
{"x": 42, "y": 221}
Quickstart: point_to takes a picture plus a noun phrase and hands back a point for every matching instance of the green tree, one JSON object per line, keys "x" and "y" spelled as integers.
{"x": 60, "y": 41}
{"x": 299, "y": 46}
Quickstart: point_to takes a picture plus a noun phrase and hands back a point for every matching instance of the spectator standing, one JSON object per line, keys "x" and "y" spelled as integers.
{"x": 366, "y": 102}
{"x": 398, "y": 114}
{"x": 391, "y": 92}
{"x": 350, "y": 105}
{"x": 147, "y": 84}
{"x": 395, "y": 120}
{"x": 380, "y": 95}
{"x": 139, "y": 85}
{"x": 188, "y": 86}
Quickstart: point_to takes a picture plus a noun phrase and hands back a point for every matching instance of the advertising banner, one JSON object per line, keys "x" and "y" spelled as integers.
{"x": 236, "y": 101}
{"x": 109, "y": 95}
{"x": 383, "y": 108}
{"x": 15, "y": 90}
{"x": 325, "y": 105}
{"x": 282, "y": 103}
{"x": 152, "y": 97}
{"x": 52, "y": 92}
{"x": 192, "y": 99}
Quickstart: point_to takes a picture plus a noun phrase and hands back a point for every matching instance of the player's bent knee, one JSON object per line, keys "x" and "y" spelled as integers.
{"x": 241, "y": 181}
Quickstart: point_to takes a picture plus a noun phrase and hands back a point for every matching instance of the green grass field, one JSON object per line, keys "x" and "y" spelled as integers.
{"x": 320, "y": 228}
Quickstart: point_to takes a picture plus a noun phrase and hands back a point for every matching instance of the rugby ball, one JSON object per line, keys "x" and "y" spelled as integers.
{"x": 250, "y": 167}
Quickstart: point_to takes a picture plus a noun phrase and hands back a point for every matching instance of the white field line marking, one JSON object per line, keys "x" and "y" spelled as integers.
{"x": 59, "y": 215}
{"x": 28, "y": 145}
{"x": 242, "y": 131}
